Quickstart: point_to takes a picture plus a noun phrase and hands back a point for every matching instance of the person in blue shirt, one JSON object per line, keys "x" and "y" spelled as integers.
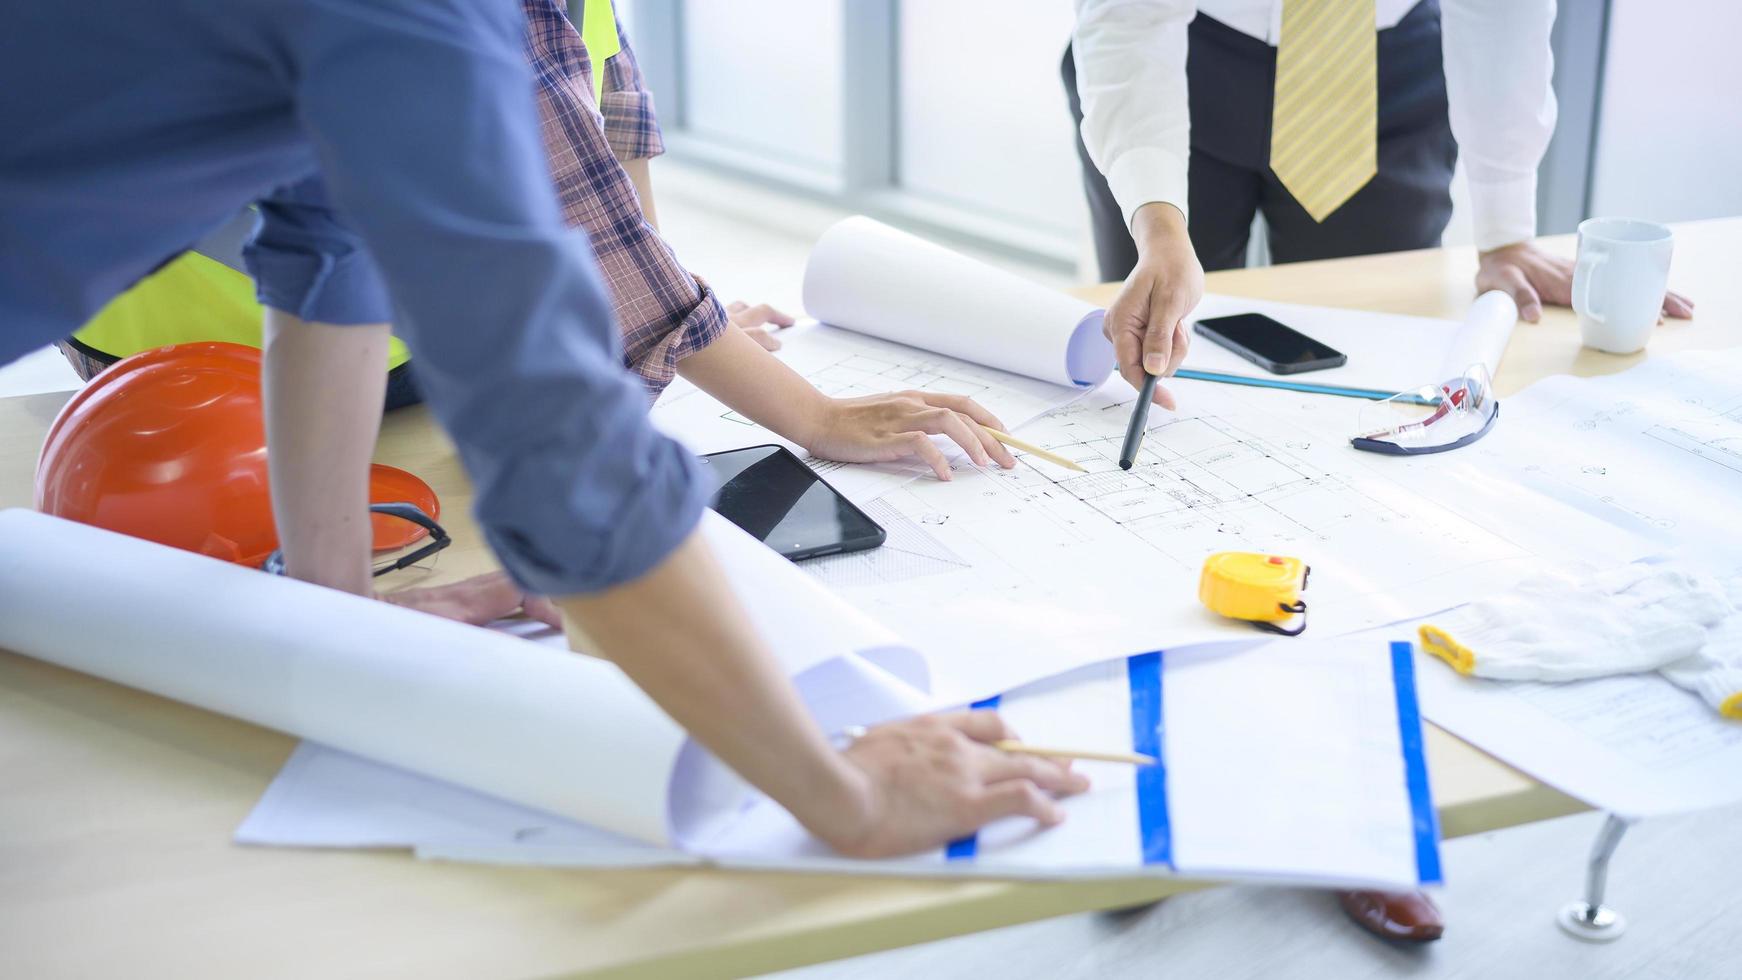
{"x": 132, "y": 129}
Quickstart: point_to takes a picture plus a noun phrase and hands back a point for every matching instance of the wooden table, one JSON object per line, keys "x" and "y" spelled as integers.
{"x": 116, "y": 807}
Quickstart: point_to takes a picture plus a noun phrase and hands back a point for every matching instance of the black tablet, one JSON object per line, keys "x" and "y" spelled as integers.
{"x": 771, "y": 494}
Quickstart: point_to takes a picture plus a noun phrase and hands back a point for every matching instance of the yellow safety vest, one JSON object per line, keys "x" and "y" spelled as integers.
{"x": 192, "y": 298}
{"x": 599, "y": 34}
{"x": 195, "y": 298}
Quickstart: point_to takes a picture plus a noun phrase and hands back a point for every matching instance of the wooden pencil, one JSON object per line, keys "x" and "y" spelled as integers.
{"x": 1023, "y": 748}
{"x": 1033, "y": 450}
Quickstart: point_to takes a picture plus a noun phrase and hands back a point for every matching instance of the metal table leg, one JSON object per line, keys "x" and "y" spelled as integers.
{"x": 1590, "y": 919}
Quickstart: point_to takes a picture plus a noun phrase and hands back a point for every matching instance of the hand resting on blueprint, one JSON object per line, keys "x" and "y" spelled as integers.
{"x": 478, "y": 600}
{"x": 884, "y": 428}
{"x": 872, "y": 429}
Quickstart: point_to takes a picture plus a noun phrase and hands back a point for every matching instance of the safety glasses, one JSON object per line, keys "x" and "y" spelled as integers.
{"x": 1430, "y": 419}
{"x": 438, "y": 539}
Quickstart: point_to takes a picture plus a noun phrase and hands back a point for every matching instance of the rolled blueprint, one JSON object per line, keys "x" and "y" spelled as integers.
{"x": 559, "y": 731}
{"x": 1483, "y": 337}
{"x": 870, "y": 278}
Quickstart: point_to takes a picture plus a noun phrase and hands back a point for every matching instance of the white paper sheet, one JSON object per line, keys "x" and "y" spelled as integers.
{"x": 538, "y": 726}
{"x": 1636, "y": 745}
{"x": 869, "y": 278}
{"x": 1594, "y": 472}
{"x": 1025, "y": 573}
{"x": 1653, "y": 453}
{"x": 1319, "y": 789}
{"x": 1284, "y": 764}
{"x": 1386, "y": 352}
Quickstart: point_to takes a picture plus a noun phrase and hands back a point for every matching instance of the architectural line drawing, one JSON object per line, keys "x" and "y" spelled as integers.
{"x": 908, "y": 553}
{"x": 1200, "y": 482}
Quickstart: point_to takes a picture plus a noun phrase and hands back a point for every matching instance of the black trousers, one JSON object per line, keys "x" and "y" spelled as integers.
{"x": 1232, "y": 78}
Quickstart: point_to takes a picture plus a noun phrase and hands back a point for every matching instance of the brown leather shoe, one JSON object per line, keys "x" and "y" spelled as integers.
{"x": 1404, "y": 916}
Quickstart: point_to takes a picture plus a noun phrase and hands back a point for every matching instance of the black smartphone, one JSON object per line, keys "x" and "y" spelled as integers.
{"x": 1275, "y": 347}
{"x": 778, "y": 500}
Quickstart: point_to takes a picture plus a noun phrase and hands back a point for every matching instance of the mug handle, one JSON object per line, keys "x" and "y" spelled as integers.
{"x": 1582, "y": 283}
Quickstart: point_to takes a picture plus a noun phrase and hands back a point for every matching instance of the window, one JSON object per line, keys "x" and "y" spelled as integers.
{"x": 947, "y": 117}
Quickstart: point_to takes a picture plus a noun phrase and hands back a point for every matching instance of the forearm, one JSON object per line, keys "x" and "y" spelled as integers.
{"x": 1498, "y": 61}
{"x": 1131, "y": 81}
{"x": 680, "y": 635}
{"x": 754, "y": 383}
{"x": 1158, "y": 225}
{"x": 641, "y": 175}
{"x": 324, "y": 386}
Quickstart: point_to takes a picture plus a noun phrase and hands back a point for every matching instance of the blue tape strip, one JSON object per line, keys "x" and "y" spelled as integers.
{"x": 1237, "y": 379}
{"x": 1144, "y": 673}
{"x": 964, "y": 848}
{"x": 1425, "y": 818}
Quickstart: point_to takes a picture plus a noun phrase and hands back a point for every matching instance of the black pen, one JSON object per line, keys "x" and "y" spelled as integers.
{"x": 1139, "y": 422}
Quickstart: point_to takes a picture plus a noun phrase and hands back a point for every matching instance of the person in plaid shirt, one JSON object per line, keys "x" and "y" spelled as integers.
{"x": 670, "y": 320}
{"x": 598, "y": 155}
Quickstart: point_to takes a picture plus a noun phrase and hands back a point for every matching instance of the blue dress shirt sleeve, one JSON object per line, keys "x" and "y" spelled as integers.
{"x": 308, "y": 263}
{"x": 500, "y": 303}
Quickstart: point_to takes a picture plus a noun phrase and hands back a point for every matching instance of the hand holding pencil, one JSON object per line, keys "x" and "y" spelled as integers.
{"x": 953, "y": 779}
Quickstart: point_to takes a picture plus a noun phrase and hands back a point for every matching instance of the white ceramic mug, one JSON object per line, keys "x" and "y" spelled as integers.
{"x": 1620, "y": 281}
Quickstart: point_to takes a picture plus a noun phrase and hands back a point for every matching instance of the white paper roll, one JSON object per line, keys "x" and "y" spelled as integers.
{"x": 865, "y": 276}
{"x": 510, "y": 718}
{"x": 547, "y": 728}
{"x": 1483, "y": 338}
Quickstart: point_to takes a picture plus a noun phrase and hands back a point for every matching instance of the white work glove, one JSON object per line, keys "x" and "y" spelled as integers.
{"x": 1558, "y": 628}
{"x": 1715, "y": 672}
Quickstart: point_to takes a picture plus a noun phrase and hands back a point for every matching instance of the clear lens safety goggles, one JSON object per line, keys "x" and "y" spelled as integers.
{"x": 1430, "y": 419}
{"x": 438, "y": 540}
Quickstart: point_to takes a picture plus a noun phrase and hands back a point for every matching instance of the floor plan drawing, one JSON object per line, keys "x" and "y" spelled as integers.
{"x": 1062, "y": 566}
{"x": 1198, "y": 482}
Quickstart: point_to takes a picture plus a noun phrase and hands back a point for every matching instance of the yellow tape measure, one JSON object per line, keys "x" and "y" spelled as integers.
{"x": 1264, "y": 590}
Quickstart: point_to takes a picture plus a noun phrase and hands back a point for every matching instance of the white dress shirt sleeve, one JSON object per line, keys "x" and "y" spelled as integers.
{"x": 1131, "y": 78}
{"x": 1498, "y": 70}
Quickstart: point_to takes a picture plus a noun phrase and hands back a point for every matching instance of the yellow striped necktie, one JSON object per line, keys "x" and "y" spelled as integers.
{"x": 1324, "y": 127}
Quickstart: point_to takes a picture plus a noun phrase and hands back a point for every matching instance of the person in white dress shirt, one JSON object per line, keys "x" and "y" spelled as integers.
{"x": 1339, "y": 120}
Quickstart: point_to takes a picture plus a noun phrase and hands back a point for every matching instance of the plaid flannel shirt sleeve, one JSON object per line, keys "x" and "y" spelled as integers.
{"x": 665, "y": 313}
{"x": 631, "y": 124}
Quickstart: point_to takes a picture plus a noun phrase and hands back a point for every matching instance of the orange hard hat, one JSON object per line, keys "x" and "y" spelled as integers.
{"x": 170, "y": 445}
